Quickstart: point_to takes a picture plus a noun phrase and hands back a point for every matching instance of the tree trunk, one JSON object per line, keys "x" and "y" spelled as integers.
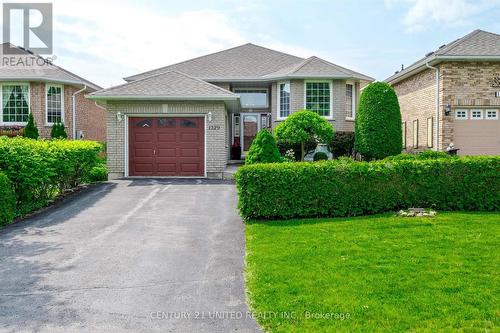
{"x": 302, "y": 151}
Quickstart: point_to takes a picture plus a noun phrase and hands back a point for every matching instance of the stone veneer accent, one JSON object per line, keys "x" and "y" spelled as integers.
{"x": 461, "y": 84}
{"x": 216, "y": 140}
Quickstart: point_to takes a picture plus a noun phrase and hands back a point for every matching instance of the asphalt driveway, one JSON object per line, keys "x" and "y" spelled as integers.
{"x": 142, "y": 255}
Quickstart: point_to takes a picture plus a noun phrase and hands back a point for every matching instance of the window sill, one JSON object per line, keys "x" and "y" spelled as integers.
{"x": 5, "y": 123}
{"x": 350, "y": 118}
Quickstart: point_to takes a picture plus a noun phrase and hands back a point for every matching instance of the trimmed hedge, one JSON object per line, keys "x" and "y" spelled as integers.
{"x": 349, "y": 188}
{"x": 40, "y": 170}
{"x": 7, "y": 200}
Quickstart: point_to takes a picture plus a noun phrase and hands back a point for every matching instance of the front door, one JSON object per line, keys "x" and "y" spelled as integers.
{"x": 250, "y": 126}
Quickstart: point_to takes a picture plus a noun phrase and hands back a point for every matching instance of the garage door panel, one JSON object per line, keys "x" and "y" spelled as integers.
{"x": 167, "y": 146}
{"x": 190, "y": 152}
{"x": 166, "y": 137}
{"x": 190, "y": 167}
{"x": 167, "y": 167}
{"x": 166, "y": 152}
{"x": 190, "y": 137}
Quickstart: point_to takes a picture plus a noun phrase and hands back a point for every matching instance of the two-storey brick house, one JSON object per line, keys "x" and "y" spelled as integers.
{"x": 31, "y": 84}
{"x": 452, "y": 96}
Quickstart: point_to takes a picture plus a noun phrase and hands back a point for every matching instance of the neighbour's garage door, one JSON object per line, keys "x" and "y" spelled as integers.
{"x": 166, "y": 146}
{"x": 477, "y": 132}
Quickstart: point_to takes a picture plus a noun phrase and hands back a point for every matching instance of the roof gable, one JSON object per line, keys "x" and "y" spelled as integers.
{"x": 477, "y": 44}
{"x": 168, "y": 85}
{"x": 317, "y": 67}
{"x": 245, "y": 61}
{"x": 30, "y": 66}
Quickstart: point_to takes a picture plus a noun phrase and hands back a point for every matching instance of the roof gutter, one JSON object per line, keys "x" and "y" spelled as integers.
{"x": 436, "y": 69}
{"x": 74, "y": 109}
{"x": 162, "y": 98}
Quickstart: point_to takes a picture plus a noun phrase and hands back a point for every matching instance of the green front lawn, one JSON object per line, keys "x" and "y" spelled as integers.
{"x": 378, "y": 273}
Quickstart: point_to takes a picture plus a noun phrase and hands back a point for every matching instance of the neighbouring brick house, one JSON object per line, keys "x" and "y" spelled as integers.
{"x": 30, "y": 84}
{"x": 181, "y": 120}
{"x": 452, "y": 95}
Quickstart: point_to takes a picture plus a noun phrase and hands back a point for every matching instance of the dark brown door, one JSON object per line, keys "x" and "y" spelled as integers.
{"x": 166, "y": 146}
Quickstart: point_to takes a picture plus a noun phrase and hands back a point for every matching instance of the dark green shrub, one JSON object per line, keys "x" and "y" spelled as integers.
{"x": 263, "y": 149}
{"x": 98, "y": 173}
{"x": 58, "y": 131}
{"x": 31, "y": 131}
{"x": 303, "y": 126}
{"x": 320, "y": 156}
{"x": 348, "y": 188}
{"x": 378, "y": 122}
{"x": 40, "y": 170}
{"x": 7, "y": 201}
{"x": 342, "y": 144}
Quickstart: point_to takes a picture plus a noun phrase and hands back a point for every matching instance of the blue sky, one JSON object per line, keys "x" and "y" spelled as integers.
{"x": 107, "y": 40}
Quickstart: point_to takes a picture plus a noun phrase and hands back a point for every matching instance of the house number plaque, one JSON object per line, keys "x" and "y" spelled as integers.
{"x": 213, "y": 127}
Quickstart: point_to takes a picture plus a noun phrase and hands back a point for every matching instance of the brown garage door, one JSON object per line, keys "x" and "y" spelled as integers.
{"x": 166, "y": 146}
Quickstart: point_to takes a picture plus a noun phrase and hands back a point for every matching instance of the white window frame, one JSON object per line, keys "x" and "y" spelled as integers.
{"x": 1, "y": 101}
{"x": 353, "y": 108}
{"x": 403, "y": 125}
{"x": 47, "y": 86}
{"x": 476, "y": 118}
{"x": 235, "y": 90}
{"x": 430, "y": 132}
{"x": 462, "y": 110}
{"x": 415, "y": 134}
{"x": 278, "y": 100}
{"x": 330, "y": 84}
{"x": 490, "y": 118}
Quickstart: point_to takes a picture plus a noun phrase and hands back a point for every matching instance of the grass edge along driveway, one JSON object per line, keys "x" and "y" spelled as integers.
{"x": 375, "y": 273}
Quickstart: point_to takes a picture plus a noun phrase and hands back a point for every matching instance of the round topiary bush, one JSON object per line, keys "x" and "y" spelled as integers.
{"x": 263, "y": 149}
{"x": 378, "y": 122}
{"x": 303, "y": 126}
{"x": 7, "y": 201}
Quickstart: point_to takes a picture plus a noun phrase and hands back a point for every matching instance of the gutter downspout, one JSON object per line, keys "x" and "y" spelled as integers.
{"x": 437, "y": 103}
{"x": 74, "y": 109}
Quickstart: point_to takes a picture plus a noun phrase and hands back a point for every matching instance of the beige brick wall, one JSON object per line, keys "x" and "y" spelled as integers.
{"x": 297, "y": 103}
{"x": 467, "y": 84}
{"x": 216, "y": 140}
{"x": 417, "y": 100}
{"x": 461, "y": 84}
{"x": 90, "y": 118}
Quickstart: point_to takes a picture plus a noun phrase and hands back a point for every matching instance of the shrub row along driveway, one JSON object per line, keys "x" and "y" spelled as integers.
{"x": 128, "y": 255}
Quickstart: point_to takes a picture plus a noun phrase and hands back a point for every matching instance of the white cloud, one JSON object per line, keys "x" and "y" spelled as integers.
{"x": 421, "y": 14}
{"x": 108, "y": 37}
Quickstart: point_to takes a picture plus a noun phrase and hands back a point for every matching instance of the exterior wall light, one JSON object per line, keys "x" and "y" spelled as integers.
{"x": 447, "y": 109}
{"x": 209, "y": 115}
{"x": 119, "y": 116}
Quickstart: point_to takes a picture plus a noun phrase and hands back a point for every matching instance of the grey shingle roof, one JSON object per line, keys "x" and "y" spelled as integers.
{"x": 253, "y": 62}
{"x": 168, "y": 85}
{"x": 316, "y": 67}
{"x": 477, "y": 44}
{"x": 28, "y": 66}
